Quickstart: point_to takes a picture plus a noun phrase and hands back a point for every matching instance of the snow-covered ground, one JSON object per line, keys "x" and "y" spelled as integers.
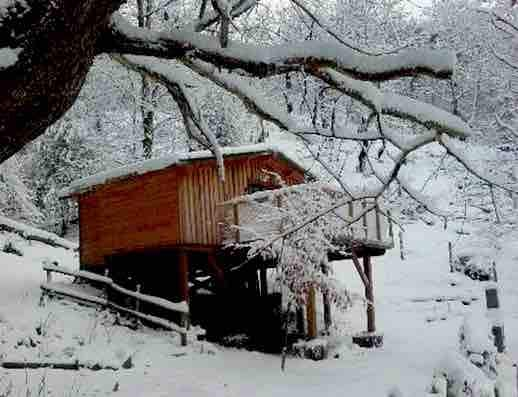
{"x": 418, "y": 335}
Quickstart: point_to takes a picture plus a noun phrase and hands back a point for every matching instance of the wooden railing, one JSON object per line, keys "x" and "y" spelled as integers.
{"x": 109, "y": 286}
{"x": 251, "y": 217}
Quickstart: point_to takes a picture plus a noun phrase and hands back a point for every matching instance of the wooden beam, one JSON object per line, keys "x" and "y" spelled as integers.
{"x": 359, "y": 269}
{"x": 369, "y": 295}
{"x": 311, "y": 313}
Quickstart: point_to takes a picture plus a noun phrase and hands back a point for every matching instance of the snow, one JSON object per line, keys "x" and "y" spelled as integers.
{"x": 397, "y": 105}
{"x": 8, "y": 56}
{"x": 181, "y": 307}
{"x": 29, "y": 231}
{"x": 291, "y": 54}
{"x": 85, "y": 184}
{"x": 414, "y": 349}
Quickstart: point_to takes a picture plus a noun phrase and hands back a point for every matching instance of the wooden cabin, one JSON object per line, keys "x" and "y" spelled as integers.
{"x": 163, "y": 224}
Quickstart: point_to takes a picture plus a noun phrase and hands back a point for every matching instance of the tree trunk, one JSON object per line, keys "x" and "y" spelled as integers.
{"x": 57, "y": 42}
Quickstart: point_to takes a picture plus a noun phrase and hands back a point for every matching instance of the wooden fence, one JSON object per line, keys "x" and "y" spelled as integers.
{"x": 109, "y": 286}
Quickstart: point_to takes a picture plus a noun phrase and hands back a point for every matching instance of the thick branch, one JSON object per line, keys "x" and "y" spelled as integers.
{"x": 260, "y": 61}
{"x": 396, "y": 105}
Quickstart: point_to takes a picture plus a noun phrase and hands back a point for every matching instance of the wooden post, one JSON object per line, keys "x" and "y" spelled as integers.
{"x": 450, "y": 256}
{"x": 401, "y": 246}
{"x": 311, "y": 313}
{"x": 264, "y": 282}
{"x": 369, "y": 294}
{"x": 378, "y": 222}
{"x": 137, "y": 300}
{"x": 493, "y": 308}
{"x": 236, "y": 221}
{"x": 183, "y": 276}
{"x": 106, "y": 286}
{"x": 327, "y": 303}
{"x": 183, "y": 290}
{"x": 391, "y": 226}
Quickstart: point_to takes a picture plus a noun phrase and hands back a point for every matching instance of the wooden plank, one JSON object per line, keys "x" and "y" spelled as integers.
{"x": 364, "y": 220}
{"x": 202, "y": 197}
{"x": 211, "y": 207}
{"x": 235, "y": 208}
{"x": 192, "y": 223}
{"x": 378, "y": 223}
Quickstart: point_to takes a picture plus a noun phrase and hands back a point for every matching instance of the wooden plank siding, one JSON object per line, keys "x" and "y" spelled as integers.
{"x": 129, "y": 215}
{"x": 201, "y": 191}
{"x": 172, "y": 207}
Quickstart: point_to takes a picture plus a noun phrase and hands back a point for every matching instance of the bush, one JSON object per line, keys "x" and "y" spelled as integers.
{"x": 10, "y": 248}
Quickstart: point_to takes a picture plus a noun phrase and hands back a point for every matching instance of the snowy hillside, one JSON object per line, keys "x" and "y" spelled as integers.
{"x": 419, "y": 333}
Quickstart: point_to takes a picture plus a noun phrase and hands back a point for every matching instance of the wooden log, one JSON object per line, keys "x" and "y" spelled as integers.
{"x": 35, "y": 365}
{"x": 369, "y": 294}
{"x": 311, "y": 313}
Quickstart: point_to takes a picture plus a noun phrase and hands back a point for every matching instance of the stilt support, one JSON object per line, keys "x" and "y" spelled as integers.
{"x": 311, "y": 313}
{"x": 369, "y": 294}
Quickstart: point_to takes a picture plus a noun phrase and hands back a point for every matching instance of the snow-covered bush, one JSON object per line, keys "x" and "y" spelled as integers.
{"x": 475, "y": 259}
{"x": 10, "y": 247}
{"x": 463, "y": 378}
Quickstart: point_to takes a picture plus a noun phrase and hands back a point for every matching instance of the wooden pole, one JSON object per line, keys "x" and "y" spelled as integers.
{"x": 183, "y": 290}
{"x": 369, "y": 294}
{"x": 311, "y": 313}
{"x": 327, "y": 302}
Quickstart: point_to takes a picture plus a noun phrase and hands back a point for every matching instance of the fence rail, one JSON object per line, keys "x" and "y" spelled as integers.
{"x": 51, "y": 289}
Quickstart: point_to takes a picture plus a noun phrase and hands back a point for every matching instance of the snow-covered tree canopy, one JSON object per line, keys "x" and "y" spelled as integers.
{"x": 48, "y": 47}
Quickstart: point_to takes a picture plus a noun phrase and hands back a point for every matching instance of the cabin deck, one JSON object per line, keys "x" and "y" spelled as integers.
{"x": 360, "y": 224}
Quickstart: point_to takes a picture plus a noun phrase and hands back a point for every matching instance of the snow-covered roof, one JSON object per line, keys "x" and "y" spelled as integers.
{"x": 85, "y": 184}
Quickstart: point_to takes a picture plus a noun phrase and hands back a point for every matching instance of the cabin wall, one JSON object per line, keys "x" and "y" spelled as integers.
{"x": 129, "y": 215}
{"x": 162, "y": 209}
{"x": 201, "y": 190}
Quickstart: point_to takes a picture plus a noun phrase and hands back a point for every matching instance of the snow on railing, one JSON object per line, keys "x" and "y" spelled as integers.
{"x": 32, "y": 233}
{"x": 261, "y": 215}
{"x": 50, "y": 288}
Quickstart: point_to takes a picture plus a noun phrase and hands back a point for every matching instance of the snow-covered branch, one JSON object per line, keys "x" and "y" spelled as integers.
{"x": 393, "y": 104}
{"x": 175, "y": 79}
{"x": 453, "y": 150}
{"x": 263, "y": 61}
